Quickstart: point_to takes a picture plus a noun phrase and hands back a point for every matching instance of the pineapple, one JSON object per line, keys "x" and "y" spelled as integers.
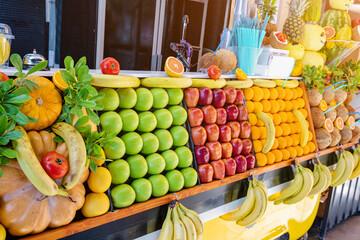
{"x": 294, "y": 25}
{"x": 268, "y": 8}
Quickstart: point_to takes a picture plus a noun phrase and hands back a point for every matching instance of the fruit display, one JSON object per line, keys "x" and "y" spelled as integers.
{"x": 220, "y": 131}
{"x": 294, "y": 25}
{"x": 344, "y": 168}
{"x": 224, "y": 59}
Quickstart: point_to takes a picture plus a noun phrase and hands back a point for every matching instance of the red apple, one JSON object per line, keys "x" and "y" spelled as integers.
{"x": 237, "y": 146}
{"x": 247, "y": 146}
{"x": 209, "y": 114}
{"x": 226, "y": 150}
{"x": 219, "y": 98}
{"x": 241, "y": 163}
{"x": 221, "y": 116}
{"x": 191, "y": 97}
{"x": 212, "y": 132}
{"x": 198, "y": 135}
{"x": 219, "y": 169}
{"x": 195, "y": 116}
{"x": 355, "y": 22}
{"x": 230, "y": 93}
{"x": 232, "y": 112}
{"x": 206, "y": 96}
{"x": 235, "y": 129}
{"x": 202, "y": 154}
{"x": 206, "y": 173}
{"x": 250, "y": 159}
{"x": 230, "y": 166}
{"x": 242, "y": 113}
{"x": 215, "y": 150}
{"x": 225, "y": 133}
{"x": 239, "y": 97}
{"x": 245, "y": 129}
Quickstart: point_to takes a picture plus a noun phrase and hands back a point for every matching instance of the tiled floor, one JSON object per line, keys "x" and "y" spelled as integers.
{"x": 347, "y": 230}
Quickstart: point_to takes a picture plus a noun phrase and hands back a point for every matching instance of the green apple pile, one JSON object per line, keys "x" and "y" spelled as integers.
{"x": 150, "y": 153}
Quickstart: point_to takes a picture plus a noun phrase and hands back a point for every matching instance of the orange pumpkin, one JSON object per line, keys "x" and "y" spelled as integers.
{"x": 45, "y": 104}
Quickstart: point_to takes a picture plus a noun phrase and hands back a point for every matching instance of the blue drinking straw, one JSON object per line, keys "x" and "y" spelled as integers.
{"x": 355, "y": 123}
{"x": 333, "y": 107}
{"x": 339, "y": 87}
{"x": 334, "y": 85}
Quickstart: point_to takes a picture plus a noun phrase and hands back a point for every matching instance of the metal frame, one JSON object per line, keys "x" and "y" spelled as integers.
{"x": 100, "y": 35}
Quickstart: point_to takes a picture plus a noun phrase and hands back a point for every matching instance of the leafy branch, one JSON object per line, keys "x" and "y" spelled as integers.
{"x": 268, "y": 8}
{"x": 314, "y": 77}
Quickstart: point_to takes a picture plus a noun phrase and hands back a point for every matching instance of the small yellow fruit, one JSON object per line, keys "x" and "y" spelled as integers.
{"x": 96, "y": 204}
{"x": 100, "y": 181}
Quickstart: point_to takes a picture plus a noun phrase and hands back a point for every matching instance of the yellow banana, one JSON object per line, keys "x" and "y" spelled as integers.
{"x": 189, "y": 225}
{"x": 210, "y": 83}
{"x": 166, "y": 82}
{"x": 305, "y": 189}
{"x": 349, "y": 160}
{"x": 77, "y": 153}
{"x": 240, "y": 84}
{"x": 167, "y": 227}
{"x": 316, "y": 174}
{"x": 356, "y": 171}
{"x": 114, "y": 81}
{"x": 321, "y": 183}
{"x": 356, "y": 156}
{"x": 196, "y": 220}
{"x": 304, "y": 137}
{"x": 292, "y": 189}
{"x": 339, "y": 170}
{"x": 179, "y": 227}
{"x": 262, "y": 185}
{"x": 264, "y": 198}
{"x": 270, "y": 131}
{"x": 289, "y": 83}
{"x": 264, "y": 83}
{"x": 255, "y": 213}
{"x": 327, "y": 174}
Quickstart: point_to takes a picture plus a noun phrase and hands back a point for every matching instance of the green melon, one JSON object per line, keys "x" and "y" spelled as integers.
{"x": 335, "y": 18}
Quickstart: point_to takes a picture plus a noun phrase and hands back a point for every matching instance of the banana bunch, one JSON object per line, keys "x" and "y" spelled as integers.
{"x": 181, "y": 223}
{"x": 343, "y": 170}
{"x": 322, "y": 179}
{"x": 270, "y": 131}
{"x": 356, "y": 171}
{"x": 254, "y": 206}
{"x": 304, "y": 137}
{"x": 299, "y": 188}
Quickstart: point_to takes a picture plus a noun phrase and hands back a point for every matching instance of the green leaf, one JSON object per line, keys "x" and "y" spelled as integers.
{"x": 97, "y": 150}
{"x": 69, "y": 63}
{"x": 97, "y": 97}
{"x": 13, "y": 135}
{"x": 32, "y": 120}
{"x": 99, "y": 106}
{"x": 82, "y": 73}
{"x": 67, "y": 77}
{"x": 92, "y": 90}
{"x": 80, "y": 63}
{"x": 62, "y": 117}
{"x": 5, "y": 86}
{"x": 93, "y": 165}
{"x": 87, "y": 104}
{"x": 7, "y": 152}
{"x": 93, "y": 116}
{"x": 77, "y": 111}
{"x": 31, "y": 85}
{"x": 1, "y": 173}
{"x": 83, "y": 94}
{"x": 3, "y": 160}
{"x": 37, "y": 67}
{"x": 58, "y": 139}
{"x": 84, "y": 129}
{"x": 3, "y": 124}
{"x": 21, "y": 119}
{"x": 2, "y": 110}
{"x": 68, "y": 100}
{"x": 11, "y": 109}
{"x": 11, "y": 125}
{"x": 111, "y": 144}
{"x": 18, "y": 99}
{"x": 81, "y": 121}
{"x": 16, "y": 60}
{"x": 20, "y": 91}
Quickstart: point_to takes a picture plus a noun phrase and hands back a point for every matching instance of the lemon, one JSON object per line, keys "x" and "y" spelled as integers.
{"x": 100, "y": 181}
{"x": 95, "y": 204}
{"x": 173, "y": 67}
{"x": 4, "y": 49}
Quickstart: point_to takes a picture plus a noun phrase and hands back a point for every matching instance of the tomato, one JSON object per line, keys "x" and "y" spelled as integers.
{"x": 55, "y": 164}
{"x": 355, "y": 22}
{"x": 110, "y": 66}
{"x": 281, "y": 37}
{"x": 3, "y": 77}
{"x": 214, "y": 72}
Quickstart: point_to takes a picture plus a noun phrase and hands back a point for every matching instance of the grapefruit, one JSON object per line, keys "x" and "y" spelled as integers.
{"x": 173, "y": 67}
{"x": 323, "y": 105}
{"x": 329, "y": 32}
{"x": 339, "y": 123}
{"x": 350, "y": 122}
{"x": 328, "y": 125}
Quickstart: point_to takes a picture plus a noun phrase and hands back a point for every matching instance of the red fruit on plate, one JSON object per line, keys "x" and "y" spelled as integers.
{"x": 242, "y": 113}
{"x": 221, "y": 116}
{"x": 250, "y": 159}
{"x": 239, "y": 97}
{"x": 232, "y": 112}
{"x": 230, "y": 166}
{"x": 206, "y": 173}
{"x": 245, "y": 129}
{"x": 225, "y": 133}
{"x": 241, "y": 163}
{"x": 206, "y": 96}
{"x": 198, "y": 135}
{"x": 209, "y": 114}
{"x": 202, "y": 154}
{"x": 215, "y": 150}
{"x": 230, "y": 93}
{"x": 235, "y": 129}
{"x": 226, "y": 150}
{"x": 247, "y": 146}
{"x": 219, "y": 98}
{"x": 237, "y": 146}
{"x": 212, "y": 132}
{"x": 355, "y": 22}
{"x": 219, "y": 169}
{"x": 196, "y": 116}
{"x": 191, "y": 97}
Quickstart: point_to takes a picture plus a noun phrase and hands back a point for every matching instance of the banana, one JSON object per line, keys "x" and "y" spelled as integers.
{"x": 264, "y": 83}
{"x": 32, "y": 168}
{"x": 356, "y": 171}
{"x": 327, "y": 174}
{"x": 270, "y": 131}
{"x": 305, "y": 189}
{"x": 356, "y": 156}
{"x": 316, "y": 174}
{"x": 179, "y": 227}
{"x": 167, "y": 229}
{"x": 339, "y": 170}
{"x": 288, "y": 84}
{"x": 349, "y": 160}
{"x": 166, "y": 82}
{"x": 292, "y": 189}
{"x": 196, "y": 220}
{"x": 264, "y": 198}
{"x": 244, "y": 209}
{"x": 255, "y": 213}
{"x": 77, "y": 153}
{"x": 114, "y": 81}
{"x": 240, "y": 84}
{"x": 320, "y": 185}
{"x": 210, "y": 83}
{"x": 189, "y": 225}
{"x": 304, "y": 137}
{"x": 262, "y": 185}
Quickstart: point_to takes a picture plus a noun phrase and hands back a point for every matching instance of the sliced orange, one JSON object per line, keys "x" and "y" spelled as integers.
{"x": 350, "y": 122}
{"x": 339, "y": 123}
{"x": 240, "y": 74}
{"x": 323, "y": 105}
{"x": 328, "y": 125}
{"x": 329, "y": 32}
{"x": 58, "y": 81}
{"x": 333, "y": 103}
{"x": 173, "y": 67}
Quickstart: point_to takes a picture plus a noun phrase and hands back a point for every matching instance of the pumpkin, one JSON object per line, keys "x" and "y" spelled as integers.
{"x": 45, "y": 104}
{"x": 22, "y": 209}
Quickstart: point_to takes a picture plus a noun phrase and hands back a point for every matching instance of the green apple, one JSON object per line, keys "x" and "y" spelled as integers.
{"x": 150, "y": 143}
{"x": 142, "y": 189}
{"x": 123, "y": 195}
{"x": 127, "y": 97}
{"x": 176, "y": 95}
{"x": 175, "y": 179}
{"x": 147, "y": 122}
{"x": 114, "y": 148}
{"x": 120, "y": 171}
{"x": 179, "y": 135}
{"x": 159, "y": 184}
{"x": 111, "y": 122}
{"x": 133, "y": 143}
{"x": 161, "y": 98}
{"x": 185, "y": 156}
{"x": 138, "y": 166}
{"x": 130, "y": 120}
{"x": 144, "y": 99}
{"x": 171, "y": 159}
{"x": 190, "y": 176}
{"x": 111, "y": 99}
{"x": 179, "y": 115}
{"x": 156, "y": 163}
{"x": 164, "y": 118}
{"x": 165, "y": 139}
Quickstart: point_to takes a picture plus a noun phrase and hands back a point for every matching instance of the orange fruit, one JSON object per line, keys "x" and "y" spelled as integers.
{"x": 270, "y": 116}
{"x": 276, "y": 144}
{"x": 301, "y": 102}
{"x": 292, "y": 152}
{"x": 296, "y": 139}
{"x": 311, "y": 146}
{"x": 307, "y": 123}
{"x": 263, "y": 132}
{"x": 281, "y": 92}
{"x": 339, "y": 123}
{"x": 258, "y": 94}
{"x": 329, "y": 32}
{"x": 306, "y": 149}
{"x": 282, "y": 142}
{"x": 286, "y": 129}
{"x": 304, "y": 112}
{"x": 291, "y": 117}
{"x": 258, "y": 107}
{"x": 288, "y": 106}
{"x": 323, "y": 105}
{"x": 255, "y": 132}
{"x": 58, "y": 81}
{"x": 298, "y": 68}
{"x": 266, "y": 93}
{"x": 281, "y": 104}
{"x": 252, "y": 119}
{"x": 298, "y": 127}
{"x": 299, "y": 151}
{"x": 261, "y": 159}
{"x": 278, "y": 131}
{"x": 266, "y": 105}
{"x": 98, "y": 160}
{"x": 328, "y": 125}
{"x": 100, "y": 181}
{"x": 278, "y": 155}
{"x": 310, "y": 136}
{"x": 283, "y": 116}
{"x": 295, "y": 93}
{"x": 257, "y": 146}
{"x": 250, "y": 106}
{"x": 274, "y": 106}
{"x": 260, "y": 123}
{"x": 96, "y": 204}
{"x": 350, "y": 122}
{"x": 332, "y": 103}
{"x": 273, "y": 94}
{"x": 300, "y": 92}
{"x": 293, "y": 128}
{"x": 248, "y": 93}
{"x": 270, "y": 157}
{"x": 276, "y": 119}
{"x": 288, "y": 94}
{"x": 240, "y": 74}
{"x": 285, "y": 153}
{"x": 295, "y": 104}
{"x": 263, "y": 141}
{"x": 173, "y": 67}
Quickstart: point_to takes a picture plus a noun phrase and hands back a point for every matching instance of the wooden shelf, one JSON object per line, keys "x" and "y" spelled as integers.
{"x": 89, "y": 223}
